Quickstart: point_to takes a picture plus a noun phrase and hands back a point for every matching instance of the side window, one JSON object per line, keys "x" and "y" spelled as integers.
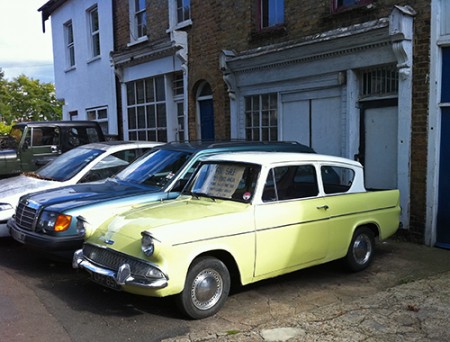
{"x": 37, "y": 137}
{"x": 336, "y": 179}
{"x": 69, "y": 45}
{"x": 292, "y": 182}
{"x": 82, "y": 135}
{"x": 183, "y": 10}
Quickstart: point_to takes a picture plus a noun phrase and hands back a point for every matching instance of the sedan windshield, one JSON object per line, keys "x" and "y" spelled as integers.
{"x": 68, "y": 164}
{"x": 154, "y": 169}
{"x": 226, "y": 181}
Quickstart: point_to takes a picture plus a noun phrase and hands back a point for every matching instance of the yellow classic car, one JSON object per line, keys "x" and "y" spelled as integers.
{"x": 243, "y": 217}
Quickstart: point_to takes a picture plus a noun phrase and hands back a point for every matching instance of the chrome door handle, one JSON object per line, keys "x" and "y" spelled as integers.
{"x": 324, "y": 207}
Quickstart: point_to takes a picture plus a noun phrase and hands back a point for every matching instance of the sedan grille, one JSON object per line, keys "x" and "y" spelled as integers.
{"x": 25, "y": 216}
{"x": 113, "y": 260}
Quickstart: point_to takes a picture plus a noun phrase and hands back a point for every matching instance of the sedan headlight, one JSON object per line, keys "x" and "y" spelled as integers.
{"x": 147, "y": 244}
{"x": 54, "y": 222}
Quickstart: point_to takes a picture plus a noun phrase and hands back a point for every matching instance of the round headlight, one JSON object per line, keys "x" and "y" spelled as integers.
{"x": 147, "y": 244}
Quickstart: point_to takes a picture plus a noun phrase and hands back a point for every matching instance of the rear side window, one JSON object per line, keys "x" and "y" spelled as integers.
{"x": 290, "y": 182}
{"x": 77, "y": 136}
{"x": 336, "y": 179}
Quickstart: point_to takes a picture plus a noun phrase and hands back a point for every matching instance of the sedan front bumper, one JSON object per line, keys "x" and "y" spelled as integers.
{"x": 115, "y": 279}
{"x": 45, "y": 242}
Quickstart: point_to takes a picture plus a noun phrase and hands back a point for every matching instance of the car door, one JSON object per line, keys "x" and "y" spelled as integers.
{"x": 292, "y": 221}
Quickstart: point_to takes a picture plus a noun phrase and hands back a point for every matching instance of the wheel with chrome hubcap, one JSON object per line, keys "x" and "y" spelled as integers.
{"x": 206, "y": 288}
{"x": 361, "y": 250}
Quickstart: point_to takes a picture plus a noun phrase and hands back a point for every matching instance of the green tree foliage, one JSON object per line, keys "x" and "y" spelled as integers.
{"x": 25, "y": 99}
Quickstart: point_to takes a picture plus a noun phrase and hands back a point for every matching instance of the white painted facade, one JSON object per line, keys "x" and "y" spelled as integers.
{"x": 89, "y": 84}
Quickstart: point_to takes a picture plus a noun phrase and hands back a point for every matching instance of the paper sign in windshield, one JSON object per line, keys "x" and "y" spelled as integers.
{"x": 223, "y": 180}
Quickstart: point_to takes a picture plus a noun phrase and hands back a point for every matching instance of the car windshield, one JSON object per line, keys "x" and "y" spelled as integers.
{"x": 234, "y": 181}
{"x": 155, "y": 169}
{"x": 68, "y": 164}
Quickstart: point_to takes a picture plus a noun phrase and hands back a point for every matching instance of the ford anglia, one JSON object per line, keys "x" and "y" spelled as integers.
{"x": 243, "y": 217}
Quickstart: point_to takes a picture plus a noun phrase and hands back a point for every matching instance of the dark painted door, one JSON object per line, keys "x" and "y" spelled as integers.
{"x": 443, "y": 215}
{"x": 207, "y": 119}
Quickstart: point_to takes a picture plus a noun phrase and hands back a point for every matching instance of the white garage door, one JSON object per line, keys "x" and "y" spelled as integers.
{"x": 313, "y": 121}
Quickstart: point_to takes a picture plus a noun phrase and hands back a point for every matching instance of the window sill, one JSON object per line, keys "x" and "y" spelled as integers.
{"x": 443, "y": 40}
{"x": 369, "y": 5}
{"x": 69, "y": 69}
{"x": 138, "y": 41}
{"x": 269, "y": 32}
{"x": 93, "y": 59}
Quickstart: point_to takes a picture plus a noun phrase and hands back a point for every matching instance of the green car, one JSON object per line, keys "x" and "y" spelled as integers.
{"x": 31, "y": 145}
{"x": 243, "y": 217}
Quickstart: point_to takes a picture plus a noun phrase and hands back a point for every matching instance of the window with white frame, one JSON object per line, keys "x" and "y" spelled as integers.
{"x": 261, "y": 117}
{"x": 70, "y": 46}
{"x": 178, "y": 92}
{"x": 138, "y": 19}
{"x": 340, "y": 5}
{"x": 183, "y": 10}
{"x": 146, "y": 109}
{"x": 271, "y": 13}
{"x": 94, "y": 30}
{"x": 100, "y": 115}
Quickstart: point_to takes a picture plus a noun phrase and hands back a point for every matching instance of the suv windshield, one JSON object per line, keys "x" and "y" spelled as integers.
{"x": 155, "y": 169}
{"x": 68, "y": 164}
{"x": 235, "y": 181}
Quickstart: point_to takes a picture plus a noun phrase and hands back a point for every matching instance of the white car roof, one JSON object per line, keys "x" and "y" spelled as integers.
{"x": 271, "y": 158}
{"x": 120, "y": 145}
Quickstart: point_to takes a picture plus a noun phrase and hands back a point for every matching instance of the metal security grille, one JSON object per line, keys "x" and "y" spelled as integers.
{"x": 379, "y": 81}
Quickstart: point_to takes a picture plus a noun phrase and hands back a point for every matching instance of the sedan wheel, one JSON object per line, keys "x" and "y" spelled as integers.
{"x": 206, "y": 288}
{"x": 361, "y": 249}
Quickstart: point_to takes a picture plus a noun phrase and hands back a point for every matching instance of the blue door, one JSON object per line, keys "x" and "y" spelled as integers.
{"x": 207, "y": 120}
{"x": 443, "y": 215}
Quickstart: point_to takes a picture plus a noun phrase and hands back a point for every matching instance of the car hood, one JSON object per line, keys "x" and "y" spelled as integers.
{"x": 73, "y": 196}
{"x": 12, "y": 188}
{"x": 173, "y": 221}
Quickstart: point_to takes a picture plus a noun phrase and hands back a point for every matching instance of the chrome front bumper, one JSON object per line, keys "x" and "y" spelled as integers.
{"x": 114, "y": 279}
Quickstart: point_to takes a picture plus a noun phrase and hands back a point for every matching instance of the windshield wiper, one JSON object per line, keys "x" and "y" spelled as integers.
{"x": 202, "y": 194}
{"x": 35, "y": 175}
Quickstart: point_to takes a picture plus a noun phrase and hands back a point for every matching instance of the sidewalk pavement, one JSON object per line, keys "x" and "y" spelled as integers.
{"x": 417, "y": 308}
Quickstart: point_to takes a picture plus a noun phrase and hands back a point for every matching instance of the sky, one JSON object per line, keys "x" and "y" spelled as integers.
{"x": 24, "y": 48}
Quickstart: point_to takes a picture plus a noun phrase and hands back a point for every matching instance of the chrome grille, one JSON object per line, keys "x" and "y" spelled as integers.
{"x": 113, "y": 260}
{"x": 25, "y": 216}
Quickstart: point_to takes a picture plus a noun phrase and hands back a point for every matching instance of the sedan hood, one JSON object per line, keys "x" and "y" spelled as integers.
{"x": 73, "y": 196}
{"x": 12, "y": 188}
{"x": 171, "y": 221}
